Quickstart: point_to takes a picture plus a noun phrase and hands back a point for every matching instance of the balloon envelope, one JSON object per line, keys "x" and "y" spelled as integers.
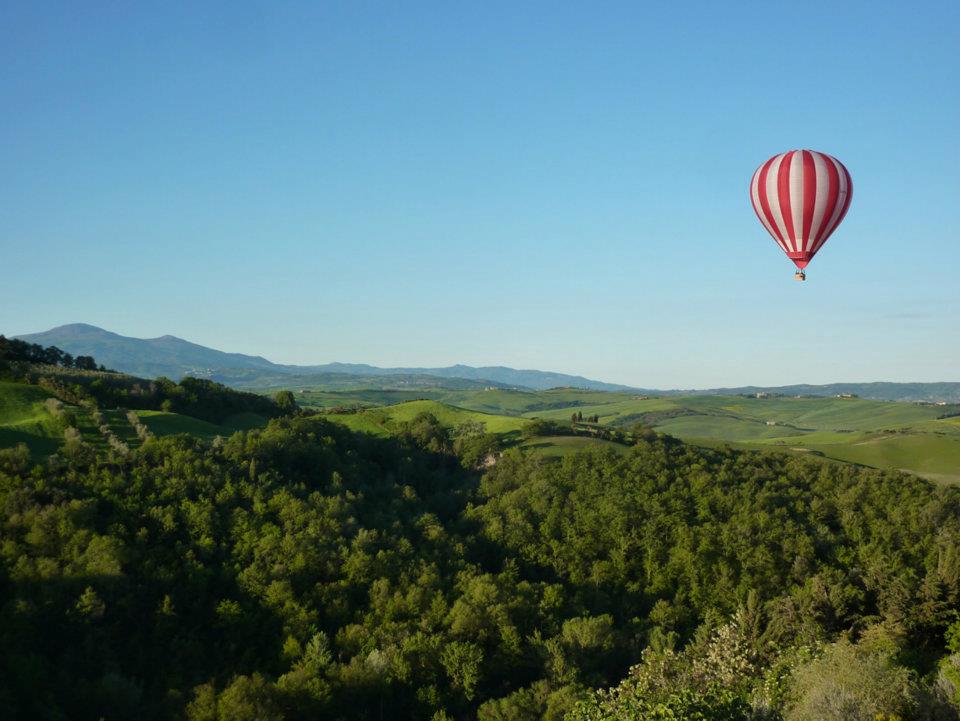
{"x": 801, "y": 197}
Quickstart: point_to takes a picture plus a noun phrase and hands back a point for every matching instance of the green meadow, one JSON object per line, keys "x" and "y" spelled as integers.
{"x": 560, "y": 446}
{"x": 161, "y": 423}
{"x": 24, "y": 419}
{"x": 383, "y": 420}
{"x": 881, "y": 434}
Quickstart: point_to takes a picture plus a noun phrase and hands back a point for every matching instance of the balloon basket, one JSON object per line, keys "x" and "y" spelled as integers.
{"x": 799, "y": 275}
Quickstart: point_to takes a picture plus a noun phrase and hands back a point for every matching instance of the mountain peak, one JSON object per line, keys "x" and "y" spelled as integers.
{"x": 149, "y": 357}
{"x": 72, "y": 331}
{"x": 78, "y": 327}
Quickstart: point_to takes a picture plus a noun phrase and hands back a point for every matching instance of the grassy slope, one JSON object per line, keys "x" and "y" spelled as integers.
{"x": 496, "y": 401}
{"x": 166, "y": 424}
{"x": 382, "y": 420}
{"x": 559, "y": 446}
{"x": 853, "y": 430}
{"x": 23, "y": 419}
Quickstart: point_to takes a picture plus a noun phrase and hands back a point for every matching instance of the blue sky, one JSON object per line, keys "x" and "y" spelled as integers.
{"x": 550, "y": 185}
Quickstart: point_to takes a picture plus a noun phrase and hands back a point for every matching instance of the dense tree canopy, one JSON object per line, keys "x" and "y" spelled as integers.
{"x": 304, "y": 571}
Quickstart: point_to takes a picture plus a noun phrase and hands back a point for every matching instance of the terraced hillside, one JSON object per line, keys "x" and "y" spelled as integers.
{"x": 26, "y": 416}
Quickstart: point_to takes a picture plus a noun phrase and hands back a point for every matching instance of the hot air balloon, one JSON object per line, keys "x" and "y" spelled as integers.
{"x": 801, "y": 197}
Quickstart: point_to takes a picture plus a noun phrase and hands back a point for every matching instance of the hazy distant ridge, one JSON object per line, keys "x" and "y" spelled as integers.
{"x": 174, "y": 357}
{"x": 877, "y": 391}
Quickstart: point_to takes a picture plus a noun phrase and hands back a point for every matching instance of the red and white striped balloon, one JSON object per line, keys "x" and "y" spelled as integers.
{"x": 801, "y": 197}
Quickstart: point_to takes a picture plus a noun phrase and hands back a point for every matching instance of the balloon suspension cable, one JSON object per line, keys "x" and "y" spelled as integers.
{"x": 799, "y": 275}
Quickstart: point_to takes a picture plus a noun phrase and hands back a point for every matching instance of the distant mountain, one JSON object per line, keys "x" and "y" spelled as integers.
{"x": 537, "y": 380}
{"x": 174, "y": 357}
{"x": 146, "y": 357}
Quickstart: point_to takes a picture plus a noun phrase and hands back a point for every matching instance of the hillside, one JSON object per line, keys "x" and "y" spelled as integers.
{"x": 145, "y": 357}
{"x": 24, "y": 419}
{"x": 303, "y": 571}
{"x": 53, "y": 403}
{"x": 882, "y": 434}
{"x": 174, "y": 357}
{"x": 383, "y": 420}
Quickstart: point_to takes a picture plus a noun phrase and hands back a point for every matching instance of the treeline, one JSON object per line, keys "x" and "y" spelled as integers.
{"x": 304, "y": 571}
{"x": 13, "y": 350}
{"x": 197, "y": 397}
{"x": 578, "y": 426}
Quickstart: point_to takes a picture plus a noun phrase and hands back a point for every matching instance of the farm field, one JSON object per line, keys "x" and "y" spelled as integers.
{"x": 881, "y": 434}
{"x": 383, "y": 420}
{"x": 495, "y": 400}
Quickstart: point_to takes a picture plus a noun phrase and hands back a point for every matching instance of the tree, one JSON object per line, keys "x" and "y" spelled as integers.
{"x": 285, "y": 402}
{"x": 462, "y": 661}
{"x": 85, "y": 363}
{"x": 249, "y": 698}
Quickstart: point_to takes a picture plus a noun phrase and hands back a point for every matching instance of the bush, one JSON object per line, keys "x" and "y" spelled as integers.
{"x": 850, "y": 683}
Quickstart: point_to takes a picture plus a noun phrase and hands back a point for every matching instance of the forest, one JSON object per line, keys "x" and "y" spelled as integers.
{"x": 307, "y": 571}
{"x": 81, "y": 381}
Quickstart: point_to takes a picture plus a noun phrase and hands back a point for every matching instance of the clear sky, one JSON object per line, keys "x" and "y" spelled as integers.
{"x": 549, "y": 185}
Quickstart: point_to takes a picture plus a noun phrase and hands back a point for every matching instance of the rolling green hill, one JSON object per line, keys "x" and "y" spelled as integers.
{"x": 23, "y": 419}
{"x": 383, "y": 420}
{"x": 882, "y": 434}
{"x": 166, "y": 424}
{"x": 560, "y": 446}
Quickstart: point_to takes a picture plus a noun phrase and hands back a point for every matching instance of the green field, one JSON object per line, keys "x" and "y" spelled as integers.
{"x": 383, "y": 420}
{"x": 883, "y": 434}
{"x": 495, "y": 400}
{"x": 167, "y": 424}
{"x": 23, "y": 419}
{"x": 559, "y": 446}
